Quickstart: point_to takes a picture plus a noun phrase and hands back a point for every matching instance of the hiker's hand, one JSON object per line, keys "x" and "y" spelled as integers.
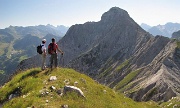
{"x": 62, "y": 53}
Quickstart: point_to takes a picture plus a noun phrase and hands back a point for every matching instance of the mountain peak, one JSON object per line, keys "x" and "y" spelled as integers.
{"x": 114, "y": 13}
{"x": 117, "y": 52}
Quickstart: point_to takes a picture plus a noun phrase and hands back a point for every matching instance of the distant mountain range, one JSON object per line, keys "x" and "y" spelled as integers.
{"x": 117, "y": 52}
{"x": 145, "y": 26}
{"x": 18, "y": 43}
{"x": 165, "y": 30}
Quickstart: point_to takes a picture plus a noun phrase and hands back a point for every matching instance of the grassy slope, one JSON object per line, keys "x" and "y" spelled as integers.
{"x": 33, "y": 81}
{"x": 2, "y": 47}
{"x": 172, "y": 103}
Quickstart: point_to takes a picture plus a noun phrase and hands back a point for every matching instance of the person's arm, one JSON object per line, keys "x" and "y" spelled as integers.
{"x": 59, "y": 50}
{"x": 44, "y": 51}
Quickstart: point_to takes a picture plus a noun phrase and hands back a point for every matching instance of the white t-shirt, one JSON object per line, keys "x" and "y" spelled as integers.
{"x": 43, "y": 47}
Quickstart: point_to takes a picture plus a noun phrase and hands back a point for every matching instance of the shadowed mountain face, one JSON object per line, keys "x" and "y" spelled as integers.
{"x": 117, "y": 52}
{"x": 115, "y": 31}
{"x": 176, "y": 35}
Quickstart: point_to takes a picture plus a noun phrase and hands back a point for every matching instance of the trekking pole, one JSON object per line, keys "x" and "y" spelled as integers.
{"x": 61, "y": 63}
{"x": 61, "y": 60}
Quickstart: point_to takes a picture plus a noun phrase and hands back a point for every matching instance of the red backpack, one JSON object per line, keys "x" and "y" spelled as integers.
{"x": 51, "y": 48}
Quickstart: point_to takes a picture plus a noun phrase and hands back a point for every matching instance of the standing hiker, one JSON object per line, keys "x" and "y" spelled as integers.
{"x": 52, "y": 50}
{"x": 43, "y": 66}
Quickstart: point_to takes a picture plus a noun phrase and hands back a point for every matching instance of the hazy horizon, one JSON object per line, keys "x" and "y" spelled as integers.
{"x": 69, "y": 12}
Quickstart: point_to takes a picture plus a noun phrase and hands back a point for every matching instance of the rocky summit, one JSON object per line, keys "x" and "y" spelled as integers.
{"x": 117, "y": 52}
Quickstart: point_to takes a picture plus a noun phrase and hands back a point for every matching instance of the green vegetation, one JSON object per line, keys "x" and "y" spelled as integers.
{"x": 178, "y": 43}
{"x": 22, "y": 58}
{"x": 1, "y": 72}
{"x": 10, "y": 48}
{"x": 2, "y": 47}
{"x": 173, "y": 103}
{"x": 33, "y": 81}
{"x": 127, "y": 79}
{"x": 125, "y": 63}
{"x": 105, "y": 73}
{"x": 107, "y": 68}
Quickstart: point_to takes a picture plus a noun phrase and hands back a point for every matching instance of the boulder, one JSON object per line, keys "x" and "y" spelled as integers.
{"x": 73, "y": 89}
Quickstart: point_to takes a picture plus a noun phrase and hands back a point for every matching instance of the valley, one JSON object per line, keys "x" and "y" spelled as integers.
{"x": 17, "y": 44}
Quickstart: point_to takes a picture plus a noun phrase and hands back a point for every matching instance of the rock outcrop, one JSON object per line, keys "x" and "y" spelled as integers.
{"x": 73, "y": 89}
{"x": 176, "y": 35}
{"x": 117, "y": 52}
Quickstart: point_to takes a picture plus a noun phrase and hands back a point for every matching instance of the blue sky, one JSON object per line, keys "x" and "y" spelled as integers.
{"x": 70, "y": 12}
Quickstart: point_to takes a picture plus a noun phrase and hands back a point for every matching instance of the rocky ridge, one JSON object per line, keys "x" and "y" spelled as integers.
{"x": 176, "y": 35}
{"x": 117, "y": 52}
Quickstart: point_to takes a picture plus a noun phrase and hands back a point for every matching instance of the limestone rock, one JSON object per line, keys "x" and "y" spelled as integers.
{"x": 52, "y": 78}
{"x": 73, "y": 89}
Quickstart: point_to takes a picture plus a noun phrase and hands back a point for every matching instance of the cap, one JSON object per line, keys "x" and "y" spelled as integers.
{"x": 44, "y": 40}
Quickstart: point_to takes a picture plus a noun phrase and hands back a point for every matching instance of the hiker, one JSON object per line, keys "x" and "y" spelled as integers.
{"x": 52, "y": 50}
{"x": 43, "y": 54}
